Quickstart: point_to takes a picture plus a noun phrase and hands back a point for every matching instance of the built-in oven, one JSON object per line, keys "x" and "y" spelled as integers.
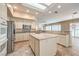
{"x": 3, "y": 37}
{"x": 3, "y": 28}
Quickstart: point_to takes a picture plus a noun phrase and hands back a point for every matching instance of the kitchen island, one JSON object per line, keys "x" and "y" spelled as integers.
{"x": 43, "y": 44}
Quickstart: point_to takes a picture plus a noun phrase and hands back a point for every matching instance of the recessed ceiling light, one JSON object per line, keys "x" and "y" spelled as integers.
{"x": 59, "y": 6}
{"x": 49, "y": 12}
{"x": 27, "y": 10}
{"x": 8, "y": 5}
{"x": 72, "y": 9}
{"x": 15, "y": 7}
{"x": 37, "y": 13}
{"x": 56, "y": 12}
{"x": 48, "y": 4}
{"x": 75, "y": 12}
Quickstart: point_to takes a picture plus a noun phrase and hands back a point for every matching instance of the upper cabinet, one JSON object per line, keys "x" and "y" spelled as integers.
{"x": 3, "y": 11}
{"x": 0, "y": 10}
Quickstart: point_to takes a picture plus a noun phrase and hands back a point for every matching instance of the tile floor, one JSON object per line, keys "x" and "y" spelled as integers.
{"x": 23, "y": 49}
{"x": 70, "y": 51}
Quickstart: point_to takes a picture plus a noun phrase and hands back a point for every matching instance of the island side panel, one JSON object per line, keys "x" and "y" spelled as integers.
{"x": 37, "y": 47}
{"x": 48, "y": 47}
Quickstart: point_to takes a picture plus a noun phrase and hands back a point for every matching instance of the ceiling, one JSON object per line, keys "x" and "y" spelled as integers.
{"x": 61, "y": 11}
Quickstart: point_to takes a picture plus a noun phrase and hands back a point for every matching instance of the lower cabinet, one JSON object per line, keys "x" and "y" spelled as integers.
{"x": 21, "y": 36}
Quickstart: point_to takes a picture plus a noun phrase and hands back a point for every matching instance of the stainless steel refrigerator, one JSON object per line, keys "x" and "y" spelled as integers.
{"x": 10, "y": 36}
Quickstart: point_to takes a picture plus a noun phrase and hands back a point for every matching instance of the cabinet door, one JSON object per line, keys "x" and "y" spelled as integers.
{"x": 26, "y": 36}
{"x": 36, "y": 45}
{"x": 32, "y": 43}
{"x": 0, "y": 10}
{"x": 19, "y": 37}
{"x": 4, "y": 11}
{"x": 30, "y": 40}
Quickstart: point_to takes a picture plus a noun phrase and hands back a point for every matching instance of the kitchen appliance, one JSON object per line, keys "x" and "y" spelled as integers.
{"x": 10, "y": 36}
{"x": 3, "y": 36}
{"x": 3, "y": 28}
{"x": 26, "y": 28}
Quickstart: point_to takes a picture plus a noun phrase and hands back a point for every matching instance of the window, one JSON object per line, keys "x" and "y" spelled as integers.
{"x": 48, "y": 27}
{"x": 53, "y": 27}
{"x": 56, "y": 27}
{"x": 41, "y": 6}
{"x": 37, "y": 5}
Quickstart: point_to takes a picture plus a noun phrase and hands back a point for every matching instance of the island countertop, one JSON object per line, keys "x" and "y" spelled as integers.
{"x": 41, "y": 36}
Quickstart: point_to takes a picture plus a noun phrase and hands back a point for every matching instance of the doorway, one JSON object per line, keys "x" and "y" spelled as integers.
{"x": 74, "y": 30}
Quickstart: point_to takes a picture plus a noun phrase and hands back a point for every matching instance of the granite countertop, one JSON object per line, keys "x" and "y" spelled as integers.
{"x": 41, "y": 36}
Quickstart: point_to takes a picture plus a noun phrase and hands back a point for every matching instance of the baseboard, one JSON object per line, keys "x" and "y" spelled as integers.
{"x": 21, "y": 41}
{"x": 61, "y": 45}
{"x": 64, "y": 45}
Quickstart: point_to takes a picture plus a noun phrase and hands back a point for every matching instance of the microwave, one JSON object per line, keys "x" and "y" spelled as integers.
{"x": 3, "y": 28}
